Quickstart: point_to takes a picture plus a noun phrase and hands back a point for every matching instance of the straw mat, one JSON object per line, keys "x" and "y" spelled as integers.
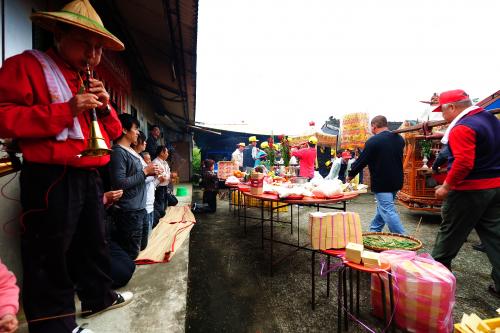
{"x": 168, "y": 236}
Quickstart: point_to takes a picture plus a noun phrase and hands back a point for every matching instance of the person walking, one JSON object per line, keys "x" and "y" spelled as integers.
{"x": 383, "y": 154}
{"x": 45, "y": 105}
{"x": 471, "y": 190}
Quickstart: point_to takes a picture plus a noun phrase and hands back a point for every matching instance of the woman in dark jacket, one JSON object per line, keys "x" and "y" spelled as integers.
{"x": 210, "y": 183}
{"x": 128, "y": 174}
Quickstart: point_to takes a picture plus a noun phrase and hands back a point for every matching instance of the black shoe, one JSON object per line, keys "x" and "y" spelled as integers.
{"x": 479, "y": 247}
{"x": 122, "y": 299}
{"x": 493, "y": 291}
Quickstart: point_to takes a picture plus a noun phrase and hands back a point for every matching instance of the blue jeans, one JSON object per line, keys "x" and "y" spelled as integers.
{"x": 386, "y": 213}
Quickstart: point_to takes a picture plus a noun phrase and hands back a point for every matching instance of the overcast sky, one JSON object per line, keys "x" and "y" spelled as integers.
{"x": 281, "y": 63}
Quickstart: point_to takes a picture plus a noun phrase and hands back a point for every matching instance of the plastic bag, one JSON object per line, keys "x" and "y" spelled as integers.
{"x": 232, "y": 180}
{"x": 317, "y": 179}
{"x": 328, "y": 189}
{"x": 424, "y": 292}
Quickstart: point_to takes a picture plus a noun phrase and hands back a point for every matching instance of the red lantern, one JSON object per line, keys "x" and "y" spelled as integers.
{"x": 312, "y": 123}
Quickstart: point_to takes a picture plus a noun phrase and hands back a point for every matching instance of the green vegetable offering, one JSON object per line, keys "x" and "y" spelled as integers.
{"x": 388, "y": 242}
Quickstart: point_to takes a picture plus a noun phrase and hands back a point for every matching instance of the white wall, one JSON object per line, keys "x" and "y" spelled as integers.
{"x": 18, "y": 28}
{"x": 145, "y": 110}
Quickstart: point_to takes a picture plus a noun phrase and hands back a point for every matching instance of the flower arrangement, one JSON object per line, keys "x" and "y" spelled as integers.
{"x": 271, "y": 155}
{"x": 284, "y": 148}
{"x": 425, "y": 148}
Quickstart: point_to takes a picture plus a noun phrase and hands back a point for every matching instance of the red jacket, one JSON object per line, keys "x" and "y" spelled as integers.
{"x": 307, "y": 158}
{"x": 27, "y": 114}
{"x": 463, "y": 144}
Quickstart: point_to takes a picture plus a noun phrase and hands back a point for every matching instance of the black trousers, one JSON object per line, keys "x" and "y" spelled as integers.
{"x": 122, "y": 267}
{"x": 210, "y": 198}
{"x": 63, "y": 246}
{"x": 160, "y": 204}
{"x": 128, "y": 226}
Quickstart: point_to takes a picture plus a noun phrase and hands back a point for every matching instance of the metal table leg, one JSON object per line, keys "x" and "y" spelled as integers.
{"x": 339, "y": 300}
{"x": 344, "y": 289}
{"x": 357, "y": 292}
{"x": 262, "y": 221}
{"x": 245, "y": 214}
{"x": 391, "y": 300}
{"x": 351, "y": 292}
{"x": 313, "y": 282}
{"x": 328, "y": 277}
{"x": 272, "y": 239}
{"x": 384, "y": 305}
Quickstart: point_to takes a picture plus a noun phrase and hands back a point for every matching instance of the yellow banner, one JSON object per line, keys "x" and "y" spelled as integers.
{"x": 355, "y": 130}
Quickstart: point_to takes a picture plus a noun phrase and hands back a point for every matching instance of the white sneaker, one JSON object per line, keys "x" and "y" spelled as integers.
{"x": 80, "y": 329}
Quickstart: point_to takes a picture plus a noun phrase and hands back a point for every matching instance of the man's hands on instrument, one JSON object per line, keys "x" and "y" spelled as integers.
{"x": 97, "y": 88}
{"x": 83, "y": 102}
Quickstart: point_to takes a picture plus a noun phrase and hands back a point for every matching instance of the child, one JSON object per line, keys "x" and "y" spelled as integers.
{"x": 9, "y": 304}
{"x": 150, "y": 194}
{"x": 210, "y": 183}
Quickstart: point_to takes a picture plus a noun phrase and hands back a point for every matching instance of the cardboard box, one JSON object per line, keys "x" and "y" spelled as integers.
{"x": 371, "y": 259}
{"x": 353, "y": 252}
{"x": 256, "y": 183}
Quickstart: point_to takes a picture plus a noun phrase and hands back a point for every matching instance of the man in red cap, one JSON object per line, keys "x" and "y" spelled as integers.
{"x": 471, "y": 191}
{"x": 45, "y": 105}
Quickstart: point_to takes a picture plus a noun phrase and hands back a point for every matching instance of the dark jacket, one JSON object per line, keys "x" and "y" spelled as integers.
{"x": 127, "y": 175}
{"x": 210, "y": 181}
{"x": 151, "y": 145}
{"x": 384, "y": 156}
{"x": 442, "y": 158}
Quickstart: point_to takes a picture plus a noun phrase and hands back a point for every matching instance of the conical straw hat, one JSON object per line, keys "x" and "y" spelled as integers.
{"x": 81, "y": 14}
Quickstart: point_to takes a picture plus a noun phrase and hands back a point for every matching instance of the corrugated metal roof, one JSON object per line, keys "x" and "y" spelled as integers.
{"x": 160, "y": 37}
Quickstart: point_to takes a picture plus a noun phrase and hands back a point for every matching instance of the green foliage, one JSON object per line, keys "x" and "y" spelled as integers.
{"x": 196, "y": 160}
{"x": 285, "y": 149}
{"x": 425, "y": 148}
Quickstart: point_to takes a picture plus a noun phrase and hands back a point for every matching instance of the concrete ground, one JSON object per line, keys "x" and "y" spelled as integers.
{"x": 230, "y": 288}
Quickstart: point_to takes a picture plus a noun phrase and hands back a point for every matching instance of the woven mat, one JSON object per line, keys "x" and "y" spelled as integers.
{"x": 168, "y": 236}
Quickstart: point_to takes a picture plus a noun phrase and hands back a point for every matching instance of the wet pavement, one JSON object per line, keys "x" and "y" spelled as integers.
{"x": 230, "y": 288}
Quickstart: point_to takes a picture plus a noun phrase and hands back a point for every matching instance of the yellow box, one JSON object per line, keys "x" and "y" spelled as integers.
{"x": 253, "y": 202}
{"x": 353, "y": 252}
{"x": 493, "y": 323}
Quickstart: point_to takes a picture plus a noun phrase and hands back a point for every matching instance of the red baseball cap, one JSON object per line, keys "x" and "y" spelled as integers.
{"x": 450, "y": 97}
{"x": 346, "y": 154}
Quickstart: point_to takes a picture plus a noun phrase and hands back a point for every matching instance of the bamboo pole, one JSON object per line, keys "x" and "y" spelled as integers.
{"x": 432, "y": 124}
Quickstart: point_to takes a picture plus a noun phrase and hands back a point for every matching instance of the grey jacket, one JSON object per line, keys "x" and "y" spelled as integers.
{"x": 127, "y": 175}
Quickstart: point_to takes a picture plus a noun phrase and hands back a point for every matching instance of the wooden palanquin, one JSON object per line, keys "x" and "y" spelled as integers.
{"x": 418, "y": 190}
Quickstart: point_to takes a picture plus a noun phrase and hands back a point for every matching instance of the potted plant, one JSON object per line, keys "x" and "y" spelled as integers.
{"x": 425, "y": 151}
